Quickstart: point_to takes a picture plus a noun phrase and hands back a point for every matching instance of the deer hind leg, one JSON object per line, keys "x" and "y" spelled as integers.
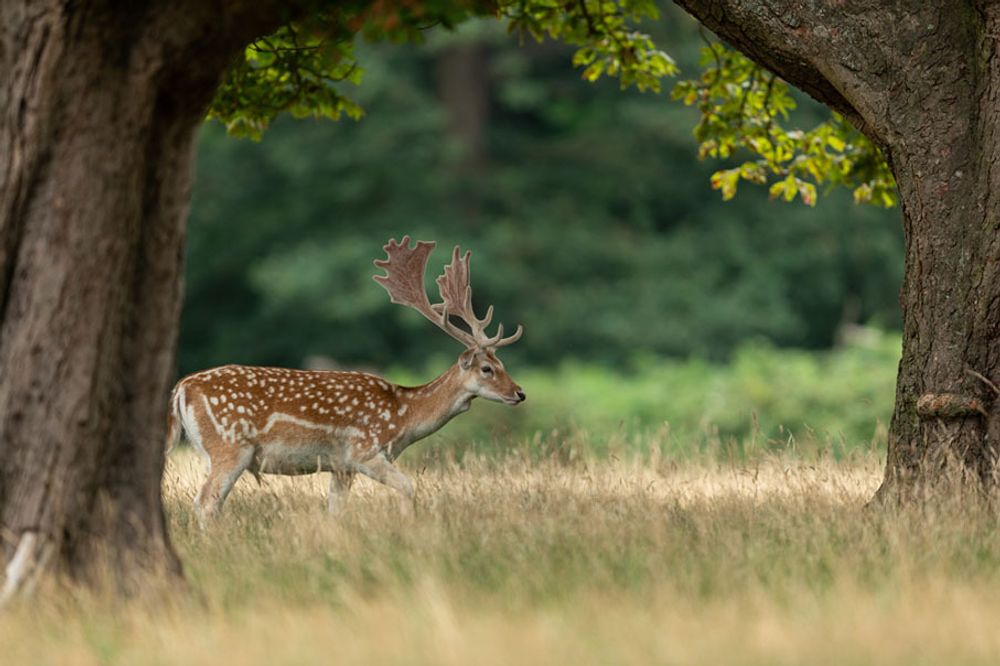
{"x": 383, "y": 471}
{"x": 224, "y": 470}
{"x": 340, "y": 487}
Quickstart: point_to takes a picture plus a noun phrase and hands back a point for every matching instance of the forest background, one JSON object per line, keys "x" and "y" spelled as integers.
{"x": 650, "y": 305}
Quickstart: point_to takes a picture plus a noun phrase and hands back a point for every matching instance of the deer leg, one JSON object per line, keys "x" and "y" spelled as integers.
{"x": 222, "y": 475}
{"x": 340, "y": 486}
{"x": 383, "y": 471}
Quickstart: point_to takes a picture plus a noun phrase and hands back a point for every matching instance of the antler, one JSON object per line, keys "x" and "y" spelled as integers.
{"x": 456, "y": 296}
{"x": 404, "y": 280}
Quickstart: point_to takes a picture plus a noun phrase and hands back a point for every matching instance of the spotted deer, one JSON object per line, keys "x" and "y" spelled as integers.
{"x": 283, "y": 421}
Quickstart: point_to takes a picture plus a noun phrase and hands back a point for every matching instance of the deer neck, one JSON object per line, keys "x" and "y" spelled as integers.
{"x": 429, "y": 407}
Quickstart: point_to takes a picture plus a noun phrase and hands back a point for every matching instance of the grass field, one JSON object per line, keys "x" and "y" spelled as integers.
{"x": 519, "y": 560}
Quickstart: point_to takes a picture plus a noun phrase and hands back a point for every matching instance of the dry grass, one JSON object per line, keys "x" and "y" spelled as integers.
{"x": 526, "y": 562}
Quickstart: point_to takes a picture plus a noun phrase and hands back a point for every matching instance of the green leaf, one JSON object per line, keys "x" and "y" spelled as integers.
{"x": 742, "y": 111}
{"x": 726, "y": 182}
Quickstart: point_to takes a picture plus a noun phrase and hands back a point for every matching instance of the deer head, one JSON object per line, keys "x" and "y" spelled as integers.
{"x": 482, "y": 372}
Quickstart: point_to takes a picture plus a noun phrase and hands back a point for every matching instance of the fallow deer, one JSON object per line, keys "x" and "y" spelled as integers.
{"x": 282, "y": 421}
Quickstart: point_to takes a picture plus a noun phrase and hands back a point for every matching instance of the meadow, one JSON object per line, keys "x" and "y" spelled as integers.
{"x": 765, "y": 559}
{"x": 677, "y": 512}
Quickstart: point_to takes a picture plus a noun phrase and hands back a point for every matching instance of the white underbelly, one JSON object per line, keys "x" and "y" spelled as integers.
{"x": 281, "y": 458}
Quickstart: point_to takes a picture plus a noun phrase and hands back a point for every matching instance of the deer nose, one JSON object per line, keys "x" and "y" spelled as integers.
{"x": 520, "y": 395}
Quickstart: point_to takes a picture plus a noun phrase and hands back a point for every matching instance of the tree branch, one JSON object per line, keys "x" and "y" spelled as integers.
{"x": 832, "y": 51}
{"x": 200, "y": 38}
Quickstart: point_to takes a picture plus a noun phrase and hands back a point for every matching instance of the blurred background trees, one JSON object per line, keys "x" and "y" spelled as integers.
{"x": 591, "y": 222}
{"x": 589, "y": 219}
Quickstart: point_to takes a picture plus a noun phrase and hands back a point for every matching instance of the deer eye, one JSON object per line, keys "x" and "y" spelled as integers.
{"x": 487, "y": 370}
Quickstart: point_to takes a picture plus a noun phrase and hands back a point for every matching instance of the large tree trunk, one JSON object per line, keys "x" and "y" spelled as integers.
{"x": 947, "y": 162}
{"x": 922, "y": 80}
{"x": 99, "y": 107}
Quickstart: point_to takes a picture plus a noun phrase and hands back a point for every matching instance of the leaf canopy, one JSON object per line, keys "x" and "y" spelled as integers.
{"x": 305, "y": 67}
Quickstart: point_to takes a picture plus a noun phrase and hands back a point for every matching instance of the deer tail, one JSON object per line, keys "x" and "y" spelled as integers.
{"x": 175, "y": 425}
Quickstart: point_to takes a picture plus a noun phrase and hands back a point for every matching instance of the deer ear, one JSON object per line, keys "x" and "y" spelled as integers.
{"x": 467, "y": 358}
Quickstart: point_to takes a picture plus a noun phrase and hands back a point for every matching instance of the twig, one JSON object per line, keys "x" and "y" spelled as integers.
{"x": 983, "y": 379}
{"x": 746, "y": 94}
{"x": 767, "y": 100}
{"x": 711, "y": 47}
{"x": 590, "y": 19}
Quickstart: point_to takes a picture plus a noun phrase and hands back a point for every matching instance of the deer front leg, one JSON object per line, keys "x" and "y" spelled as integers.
{"x": 383, "y": 471}
{"x": 340, "y": 487}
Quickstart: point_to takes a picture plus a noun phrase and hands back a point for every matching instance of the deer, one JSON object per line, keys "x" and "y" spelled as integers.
{"x": 269, "y": 420}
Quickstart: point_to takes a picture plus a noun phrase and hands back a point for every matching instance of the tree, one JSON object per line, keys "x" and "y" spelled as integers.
{"x": 98, "y": 111}
{"x": 920, "y": 80}
{"x": 738, "y": 270}
{"x": 99, "y": 104}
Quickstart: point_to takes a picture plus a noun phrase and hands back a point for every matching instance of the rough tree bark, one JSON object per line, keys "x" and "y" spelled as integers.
{"x": 99, "y": 107}
{"x": 921, "y": 79}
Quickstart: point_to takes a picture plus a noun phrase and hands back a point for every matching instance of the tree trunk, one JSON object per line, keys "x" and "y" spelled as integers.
{"x": 463, "y": 85}
{"x": 99, "y": 108}
{"x": 947, "y": 163}
{"x": 922, "y": 80}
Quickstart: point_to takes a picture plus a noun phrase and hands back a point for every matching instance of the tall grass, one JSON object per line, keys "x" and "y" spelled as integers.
{"x": 765, "y": 560}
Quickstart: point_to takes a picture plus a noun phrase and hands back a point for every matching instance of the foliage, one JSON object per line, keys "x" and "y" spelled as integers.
{"x": 554, "y": 235}
{"x": 291, "y": 70}
{"x": 604, "y": 31}
{"x": 587, "y": 222}
{"x": 765, "y": 397}
{"x": 298, "y": 69}
{"x": 742, "y": 105}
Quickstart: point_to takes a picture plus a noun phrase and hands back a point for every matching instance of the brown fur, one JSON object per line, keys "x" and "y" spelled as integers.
{"x": 281, "y": 421}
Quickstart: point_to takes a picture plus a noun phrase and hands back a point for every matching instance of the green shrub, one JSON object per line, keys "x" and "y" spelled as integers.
{"x": 837, "y": 400}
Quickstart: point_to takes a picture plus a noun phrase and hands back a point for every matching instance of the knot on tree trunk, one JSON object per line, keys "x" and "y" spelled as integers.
{"x": 949, "y": 406}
